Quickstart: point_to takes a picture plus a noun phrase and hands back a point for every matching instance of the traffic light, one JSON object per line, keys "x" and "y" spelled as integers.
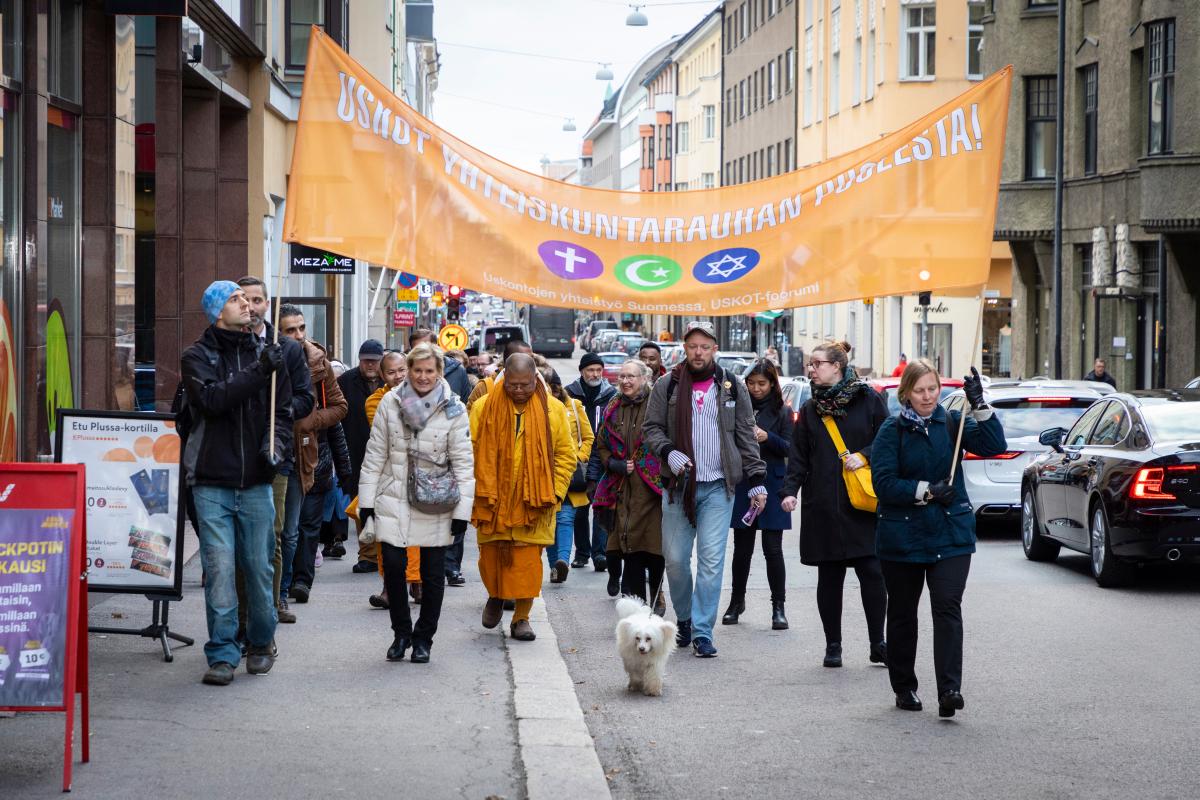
{"x": 454, "y": 303}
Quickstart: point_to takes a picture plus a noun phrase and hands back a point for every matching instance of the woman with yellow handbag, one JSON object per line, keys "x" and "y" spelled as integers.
{"x": 830, "y": 460}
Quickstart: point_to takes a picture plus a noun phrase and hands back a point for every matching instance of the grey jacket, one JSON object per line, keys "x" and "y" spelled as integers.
{"x": 739, "y": 449}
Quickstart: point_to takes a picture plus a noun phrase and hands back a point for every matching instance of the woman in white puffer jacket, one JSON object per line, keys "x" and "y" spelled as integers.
{"x": 420, "y": 416}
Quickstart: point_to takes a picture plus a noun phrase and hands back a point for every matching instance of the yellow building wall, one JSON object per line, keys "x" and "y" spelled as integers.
{"x": 699, "y": 84}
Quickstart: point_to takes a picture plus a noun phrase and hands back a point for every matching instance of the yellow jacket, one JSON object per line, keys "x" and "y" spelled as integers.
{"x": 581, "y": 431}
{"x": 566, "y": 456}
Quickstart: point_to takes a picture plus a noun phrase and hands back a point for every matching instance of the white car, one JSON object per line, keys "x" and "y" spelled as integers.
{"x": 796, "y": 391}
{"x": 1194, "y": 383}
{"x": 1025, "y": 410}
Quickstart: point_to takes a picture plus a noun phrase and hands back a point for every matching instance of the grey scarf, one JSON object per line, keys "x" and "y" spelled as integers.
{"x": 415, "y": 410}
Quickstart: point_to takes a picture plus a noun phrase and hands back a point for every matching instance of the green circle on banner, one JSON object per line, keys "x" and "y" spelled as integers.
{"x": 648, "y": 273}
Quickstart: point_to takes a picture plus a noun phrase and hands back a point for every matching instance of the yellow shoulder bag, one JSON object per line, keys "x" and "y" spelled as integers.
{"x": 858, "y": 481}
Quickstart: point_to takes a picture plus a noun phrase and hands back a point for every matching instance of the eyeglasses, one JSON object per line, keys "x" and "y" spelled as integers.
{"x": 816, "y": 362}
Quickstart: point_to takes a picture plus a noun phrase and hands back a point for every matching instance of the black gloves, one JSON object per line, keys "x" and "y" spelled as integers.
{"x": 458, "y": 527}
{"x": 591, "y": 490}
{"x": 973, "y": 389}
{"x": 271, "y": 358}
{"x": 618, "y": 466}
{"x": 365, "y": 514}
{"x": 942, "y": 492}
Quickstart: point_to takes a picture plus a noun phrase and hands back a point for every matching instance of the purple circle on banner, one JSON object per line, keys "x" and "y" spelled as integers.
{"x": 570, "y": 261}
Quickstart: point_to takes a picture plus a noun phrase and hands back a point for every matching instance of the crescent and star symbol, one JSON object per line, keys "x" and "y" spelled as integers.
{"x": 648, "y": 273}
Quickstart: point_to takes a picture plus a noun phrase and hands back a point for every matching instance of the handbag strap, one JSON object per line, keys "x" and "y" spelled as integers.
{"x": 836, "y": 435}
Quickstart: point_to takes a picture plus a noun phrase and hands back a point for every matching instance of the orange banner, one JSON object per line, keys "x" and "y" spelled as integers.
{"x": 373, "y": 179}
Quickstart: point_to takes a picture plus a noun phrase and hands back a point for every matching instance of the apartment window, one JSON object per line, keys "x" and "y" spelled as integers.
{"x": 728, "y": 108}
{"x": 1085, "y": 267}
{"x": 772, "y": 7}
{"x": 710, "y": 122}
{"x": 772, "y": 78}
{"x": 1090, "y": 76}
{"x": 1148, "y": 255}
{"x": 301, "y": 16}
{"x": 870, "y": 49}
{"x": 741, "y": 172}
{"x": 856, "y": 87}
{"x": 787, "y": 155}
{"x": 666, "y": 150}
{"x": 975, "y": 39}
{"x": 770, "y": 161}
{"x": 683, "y": 141}
{"x": 755, "y": 94}
{"x": 708, "y": 180}
{"x": 1160, "y": 46}
{"x": 808, "y": 76}
{"x": 741, "y": 99}
{"x": 917, "y": 35}
{"x": 835, "y": 58}
{"x": 745, "y": 22}
{"x": 1040, "y": 105}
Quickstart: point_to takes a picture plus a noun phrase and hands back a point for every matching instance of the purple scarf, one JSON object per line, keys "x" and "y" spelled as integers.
{"x": 646, "y": 464}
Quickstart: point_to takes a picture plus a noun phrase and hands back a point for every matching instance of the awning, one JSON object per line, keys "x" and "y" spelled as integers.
{"x": 768, "y": 316}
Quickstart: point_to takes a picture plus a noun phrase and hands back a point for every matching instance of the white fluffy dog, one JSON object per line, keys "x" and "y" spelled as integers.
{"x": 645, "y": 640}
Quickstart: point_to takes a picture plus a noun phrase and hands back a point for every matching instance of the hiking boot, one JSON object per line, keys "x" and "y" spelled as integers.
{"x": 260, "y": 660}
{"x": 284, "y": 613}
{"x": 493, "y": 610}
{"x": 219, "y": 674}
{"x": 522, "y": 631}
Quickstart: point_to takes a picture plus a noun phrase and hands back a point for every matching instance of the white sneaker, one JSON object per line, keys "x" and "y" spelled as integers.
{"x": 320, "y": 559}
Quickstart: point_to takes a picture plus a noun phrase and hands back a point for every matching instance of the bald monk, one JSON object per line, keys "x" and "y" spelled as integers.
{"x": 511, "y": 348}
{"x": 524, "y": 459}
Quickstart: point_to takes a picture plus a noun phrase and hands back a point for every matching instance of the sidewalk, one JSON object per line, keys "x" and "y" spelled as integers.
{"x": 331, "y": 717}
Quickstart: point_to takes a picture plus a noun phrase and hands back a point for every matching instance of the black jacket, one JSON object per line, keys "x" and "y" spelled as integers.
{"x": 228, "y": 403}
{"x": 1105, "y": 378}
{"x": 830, "y": 528}
{"x": 456, "y": 376}
{"x": 333, "y": 458}
{"x": 598, "y": 402}
{"x": 356, "y": 388}
{"x": 776, "y": 420}
{"x": 295, "y": 366}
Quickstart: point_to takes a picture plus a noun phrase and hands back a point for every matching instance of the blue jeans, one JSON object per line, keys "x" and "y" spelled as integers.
{"x": 564, "y": 534}
{"x": 237, "y": 533}
{"x": 289, "y": 536}
{"x": 709, "y": 537}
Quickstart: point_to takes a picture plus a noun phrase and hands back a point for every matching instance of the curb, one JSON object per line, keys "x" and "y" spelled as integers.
{"x": 556, "y": 749}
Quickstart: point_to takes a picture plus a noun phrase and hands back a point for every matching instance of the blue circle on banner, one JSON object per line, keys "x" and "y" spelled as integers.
{"x": 407, "y": 280}
{"x": 724, "y": 266}
{"x": 571, "y": 261}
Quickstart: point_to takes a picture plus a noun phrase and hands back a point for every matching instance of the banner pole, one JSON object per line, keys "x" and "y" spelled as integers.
{"x": 275, "y": 340}
{"x": 962, "y": 419}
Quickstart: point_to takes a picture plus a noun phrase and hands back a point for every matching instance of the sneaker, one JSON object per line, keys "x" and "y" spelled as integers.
{"x": 579, "y": 563}
{"x": 219, "y": 674}
{"x": 284, "y": 613}
{"x": 260, "y": 660}
{"x": 703, "y": 648}
{"x": 319, "y": 560}
{"x": 683, "y": 633}
{"x": 364, "y": 567}
{"x": 337, "y": 550}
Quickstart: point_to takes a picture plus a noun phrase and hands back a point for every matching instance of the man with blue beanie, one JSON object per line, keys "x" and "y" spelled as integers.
{"x": 230, "y": 460}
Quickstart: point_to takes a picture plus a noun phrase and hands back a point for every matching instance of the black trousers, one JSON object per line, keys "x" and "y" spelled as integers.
{"x": 947, "y": 579}
{"x": 743, "y": 553}
{"x": 454, "y": 555}
{"x": 433, "y": 587}
{"x": 304, "y": 564}
{"x": 831, "y": 577}
{"x": 642, "y": 574}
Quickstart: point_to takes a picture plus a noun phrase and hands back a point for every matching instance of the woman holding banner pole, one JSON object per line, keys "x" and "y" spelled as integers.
{"x": 926, "y": 526}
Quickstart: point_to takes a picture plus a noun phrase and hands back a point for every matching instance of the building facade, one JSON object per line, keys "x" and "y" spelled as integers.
{"x": 142, "y": 158}
{"x": 1131, "y": 221}
{"x": 697, "y": 60}
{"x": 866, "y": 69}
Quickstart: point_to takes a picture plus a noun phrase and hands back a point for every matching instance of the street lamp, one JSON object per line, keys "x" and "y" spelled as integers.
{"x": 569, "y": 125}
{"x": 604, "y": 73}
{"x": 636, "y": 18}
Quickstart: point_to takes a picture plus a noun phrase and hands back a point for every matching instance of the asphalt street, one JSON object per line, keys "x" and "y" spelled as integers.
{"x": 1072, "y": 691}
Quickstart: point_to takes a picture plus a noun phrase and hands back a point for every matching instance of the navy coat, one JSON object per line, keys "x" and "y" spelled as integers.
{"x": 777, "y": 422}
{"x": 902, "y": 458}
{"x": 831, "y": 529}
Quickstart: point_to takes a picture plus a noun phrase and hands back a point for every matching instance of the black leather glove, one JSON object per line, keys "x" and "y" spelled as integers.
{"x": 973, "y": 389}
{"x": 458, "y": 527}
{"x": 271, "y": 358}
{"x": 365, "y": 514}
{"x": 943, "y": 493}
{"x": 591, "y": 490}
{"x": 617, "y": 465}
{"x": 349, "y": 487}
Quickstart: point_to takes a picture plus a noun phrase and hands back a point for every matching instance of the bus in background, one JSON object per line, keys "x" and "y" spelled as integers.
{"x": 552, "y": 330}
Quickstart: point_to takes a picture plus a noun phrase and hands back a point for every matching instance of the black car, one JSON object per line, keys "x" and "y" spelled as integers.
{"x": 1123, "y": 485}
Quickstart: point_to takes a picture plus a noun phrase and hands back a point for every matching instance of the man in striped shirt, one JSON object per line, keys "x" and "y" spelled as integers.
{"x": 699, "y": 421}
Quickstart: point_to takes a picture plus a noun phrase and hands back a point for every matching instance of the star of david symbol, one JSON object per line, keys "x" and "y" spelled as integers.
{"x": 714, "y": 267}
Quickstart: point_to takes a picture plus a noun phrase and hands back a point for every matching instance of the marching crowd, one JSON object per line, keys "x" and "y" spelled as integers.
{"x": 282, "y": 449}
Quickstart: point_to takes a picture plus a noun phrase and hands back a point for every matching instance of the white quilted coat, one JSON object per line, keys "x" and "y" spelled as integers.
{"x": 383, "y": 482}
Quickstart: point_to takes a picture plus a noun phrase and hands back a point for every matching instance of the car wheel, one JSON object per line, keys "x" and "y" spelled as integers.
{"x": 1107, "y": 569}
{"x": 1037, "y": 547}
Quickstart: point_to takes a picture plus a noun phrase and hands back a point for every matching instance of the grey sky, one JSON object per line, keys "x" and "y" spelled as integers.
{"x": 584, "y": 29}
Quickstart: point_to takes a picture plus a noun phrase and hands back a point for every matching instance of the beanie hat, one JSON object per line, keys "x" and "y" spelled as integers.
{"x": 588, "y": 360}
{"x": 215, "y": 297}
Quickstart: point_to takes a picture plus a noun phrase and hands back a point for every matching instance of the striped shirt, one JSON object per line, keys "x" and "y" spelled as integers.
{"x": 706, "y": 432}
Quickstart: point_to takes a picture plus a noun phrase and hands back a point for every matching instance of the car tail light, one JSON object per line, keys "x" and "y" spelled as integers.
{"x": 1005, "y": 456}
{"x": 1182, "y": 468}
{"x": 1147, "y": 485}
{"x": 795, "y": 416}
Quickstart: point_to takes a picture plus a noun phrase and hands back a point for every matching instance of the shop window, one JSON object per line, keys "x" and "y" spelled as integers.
{"x": 10, "y": 26}
{"x": 58, "y": 293}
{"x": 10, "y": 301}
{"x": 64, "y": 50}
{"x": 1040, "y": 111}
